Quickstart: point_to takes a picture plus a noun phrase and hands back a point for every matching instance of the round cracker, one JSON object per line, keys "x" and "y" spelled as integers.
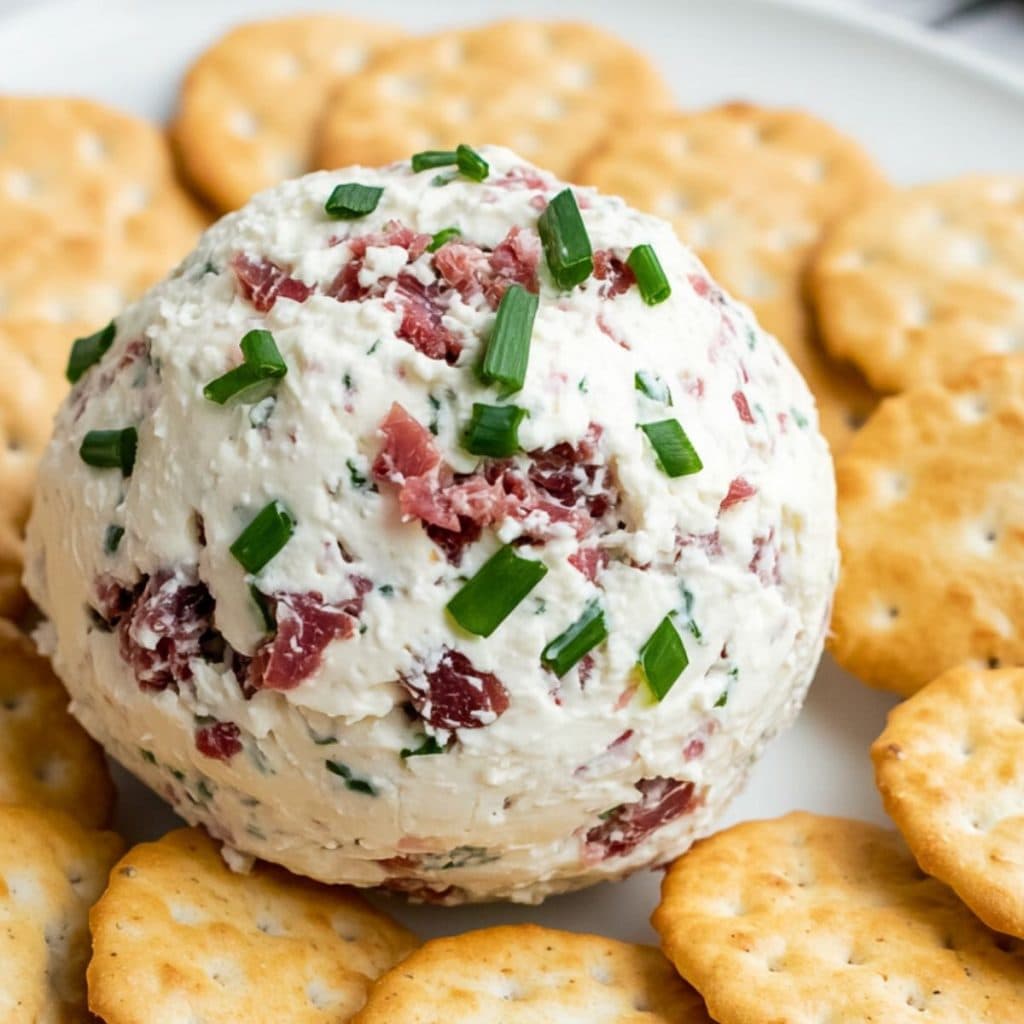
{"x": 521, "y": 974}
{"x": 931, "y": 531}
{"x": 811, "y": 919}
{"x": 250, "y": 104}
{"x": 950, "y": 771}
{"x": 46, "y": 757}
{"x": 178, "y": 936}
{"x": 549, "y": 90}
{"x": 914, "y": 285}
{"x": 751, "y": 189}
{"x": 51, "y": 871}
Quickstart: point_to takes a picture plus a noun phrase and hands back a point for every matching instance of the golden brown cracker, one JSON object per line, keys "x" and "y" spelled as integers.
{"x": 46, "y": 757}
{"x": 806, "y": 919}
{"x": 250, "y": 104}
{"x": 931, "y": 531}
{"x": 178, "y": 935}
{"x": 912, "y": 286}
{"x": 751, "y": 189}
{"x": 950, "y": 767}
{"x": 523, "y": 974}
{"x": 549, "y": 90}
{"x": 51, "y": 871}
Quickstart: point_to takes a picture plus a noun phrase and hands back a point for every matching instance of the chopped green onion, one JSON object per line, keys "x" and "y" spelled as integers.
{"x": 428, "y": 746}
{"x": 582, "y": 636}
{"x": 508, "y": 351}
{"x": 431, "y": 158}
{"x": 723, "y": 699}
{"x": 352, "y": 200}
{"x": 471, "y": 164}
{"x": 112, "y": 538}
{"x": 443, "y": 236}
{"x": 652, "y": 386}
{"x": 357, "y": 785}
{"x": 265, "y": 606}
{"x": 110, "y": 449}
{"x": 494, "y": 430}
{"x": 504, "y": 580}
{"x": 87, "y": 351}
{"x": 663, "y": 658}
{"x": 263, "y": 364}
{"x": 264, "y": 537}
{"x": 676, "y": 455}
{"x": 566, "y": 245}
{"x": 650, "y": 277}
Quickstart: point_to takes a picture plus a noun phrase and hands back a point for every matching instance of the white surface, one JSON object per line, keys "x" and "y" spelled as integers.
{"x": 925, "y": 108}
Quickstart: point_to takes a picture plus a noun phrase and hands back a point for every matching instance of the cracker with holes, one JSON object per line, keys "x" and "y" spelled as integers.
{"x": 522, "y": 974}
{"x": 914, "y": 285}
{"x": 950, "y": 767}
{"x": 51, "y": 871}
{"x": 548, "y": 90}
{"x": 931, "y": 531}
{"x": 46, "y": 758}
{"x": 250, "y": 104}
{"x": 751, "y": 189}
{"x": 178, "y": 936}
{"x": 813, "y": 919}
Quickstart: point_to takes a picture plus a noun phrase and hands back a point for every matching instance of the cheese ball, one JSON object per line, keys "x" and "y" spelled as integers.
{"x": 439, "y": 528}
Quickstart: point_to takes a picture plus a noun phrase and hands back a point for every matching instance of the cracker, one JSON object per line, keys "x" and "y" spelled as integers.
{"x": 751, "y": 189}
{"x": 51, "y": 871}
{"x": 914, "y": 285}
{"x": 951, "y": 772}
{"x": 250, "y": 104}
{"x": 178, "y": 936}
{"x": 46, "y": 758}
{"x": 523, "y": 974}
{"x": 549, "y": 90}
{"x": 807, "y": 919}
{"x": 931, "y": 531}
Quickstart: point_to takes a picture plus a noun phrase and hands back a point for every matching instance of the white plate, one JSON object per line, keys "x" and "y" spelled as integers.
{"x": 925, "y": 109}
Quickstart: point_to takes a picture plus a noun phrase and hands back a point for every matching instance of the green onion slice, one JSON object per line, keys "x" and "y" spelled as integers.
{"x": 470, "y": 163}
{"x": 443, "y": 236}
{"x": 428, "y": 746}
{"x": 508, "y": 351}
{"x": 352, "y": 200}
{"x": 110, "y": 449}
{"x": 87, "y": 351}
{"x": 352, "y": 782}
{"x": 652, "y": 386}
{"x": 676, "y": 455}
{"x": 431, "y": 158}
{"x": 112, "y": 538}
{"x": 566, "y": 244}
{"x": 494, "y": 430}
{"x": 264, "y": 537}
{"x": 263, "y": 365}
{"x": 501, "y": 583}
{"x": 663, "y": 658}
{"x": 265, "y": 606}
{"x": 580, "y": 638}
{"x": 650, "y": 277}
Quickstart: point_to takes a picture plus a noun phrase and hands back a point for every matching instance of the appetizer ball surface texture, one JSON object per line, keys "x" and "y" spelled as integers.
{"x": 349, "y": 596}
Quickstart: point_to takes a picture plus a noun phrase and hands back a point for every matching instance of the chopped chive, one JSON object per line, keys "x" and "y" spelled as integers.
{"x": 470, "y": 163}
{"x": 110, "y": 449}
{"x": 357, "y": 785}
{"x": 493, "y": 593}
{"x": 265, "y": 606}
{"x": 112, "y": 538}
{"x": 508, "y": 351}
{"x": 147, "y": 755}
{"x": 264, "y": 537}
{"x": 676, "y": 455}
{"x": 650, "y": 277}
{"x": 566, "y": 245}
{"x": 581, "y": 637}
{"x": 263, "y": 365}
{"x": 352, "y": 200}
{"x": 440, "y": 180}
{"x": 652, "y": 386}
{"x": 723, "y": 699}
{"x": 493, "y": 430}
{"x": 89, "y": 350}
{"x": 428, "y": 746}
{"x": 442, "y": 236}
{"x": 663, "y": 658}
{"x": 431, "y": 158}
